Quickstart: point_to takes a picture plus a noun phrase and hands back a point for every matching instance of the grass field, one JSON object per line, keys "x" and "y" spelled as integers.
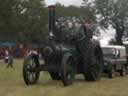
{"x": 12, "y": 84}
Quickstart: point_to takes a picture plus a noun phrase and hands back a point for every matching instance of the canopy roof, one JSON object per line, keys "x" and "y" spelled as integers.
{"x": 7, "y": 44}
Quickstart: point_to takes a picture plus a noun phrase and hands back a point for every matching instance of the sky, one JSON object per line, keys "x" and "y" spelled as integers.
{"x": 107, "y": 35}
{"x": 64, "y": 2}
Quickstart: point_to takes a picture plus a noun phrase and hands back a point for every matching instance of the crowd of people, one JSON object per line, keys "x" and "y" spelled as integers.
{"x": 7, "y": 54}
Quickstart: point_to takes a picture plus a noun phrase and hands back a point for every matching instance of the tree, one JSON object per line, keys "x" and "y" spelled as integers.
{"x": 113, "y": 12}
{"x": 112, "y": 42}
{"x": 71, "y": 10}
{"x": 30, "y": 21}
{"x": 23, "y": 20}
{"x": 6, "y": 13}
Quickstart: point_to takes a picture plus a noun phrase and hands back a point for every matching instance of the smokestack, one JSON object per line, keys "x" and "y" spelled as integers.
{"x": 51, "y": 19}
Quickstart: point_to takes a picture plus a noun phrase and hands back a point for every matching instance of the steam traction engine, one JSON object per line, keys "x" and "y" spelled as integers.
{"x": 63, "y": 59}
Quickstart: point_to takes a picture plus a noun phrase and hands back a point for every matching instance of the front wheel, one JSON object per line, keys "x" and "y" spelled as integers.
{"x": 67, "y": 69}
{"x": 94, "y": 65}
{"x": 31, "y": 69}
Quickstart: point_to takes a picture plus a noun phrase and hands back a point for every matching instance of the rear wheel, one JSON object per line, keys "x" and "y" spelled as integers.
{"x": 67, "y": 69}
{"x": 31, "y": 69}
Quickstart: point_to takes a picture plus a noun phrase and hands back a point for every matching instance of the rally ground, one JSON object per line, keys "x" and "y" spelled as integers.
{"x": 12, "y": 84}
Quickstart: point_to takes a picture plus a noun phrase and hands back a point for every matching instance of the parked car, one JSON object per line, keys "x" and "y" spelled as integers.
{"x": 115, "y": 60}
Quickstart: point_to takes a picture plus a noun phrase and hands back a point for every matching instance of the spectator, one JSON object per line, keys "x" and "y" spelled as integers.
{"x": 6, "y": 56}
{"x": 9, "y": 58}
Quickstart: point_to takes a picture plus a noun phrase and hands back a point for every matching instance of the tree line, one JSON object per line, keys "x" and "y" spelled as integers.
{"x": 22, "y": 20}
{"x": 26, "y": 21}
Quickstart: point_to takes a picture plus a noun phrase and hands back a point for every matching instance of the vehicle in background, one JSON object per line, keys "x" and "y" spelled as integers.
{"x": 115, "y": 60}
{"x": 126, "y": 45}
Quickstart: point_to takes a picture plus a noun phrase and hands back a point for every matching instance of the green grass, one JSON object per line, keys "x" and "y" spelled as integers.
{"x": 12, "y": 84}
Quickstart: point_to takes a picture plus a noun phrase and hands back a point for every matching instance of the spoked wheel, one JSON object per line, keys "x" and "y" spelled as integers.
{"x": 67, "y": 70}
{"x": 31, "y": 70}
{"x": 95, "y": 65}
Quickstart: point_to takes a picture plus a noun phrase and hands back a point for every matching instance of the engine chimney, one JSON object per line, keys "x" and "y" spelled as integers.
{"x": 51, "y": 19}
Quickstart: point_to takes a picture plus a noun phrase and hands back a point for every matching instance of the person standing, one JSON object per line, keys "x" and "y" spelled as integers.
{"x": 6, "y": 56}
{"x": 9, "y": 58}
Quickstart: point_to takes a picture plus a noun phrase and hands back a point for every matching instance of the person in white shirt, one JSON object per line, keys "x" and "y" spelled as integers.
{"x": 8, "y": 58}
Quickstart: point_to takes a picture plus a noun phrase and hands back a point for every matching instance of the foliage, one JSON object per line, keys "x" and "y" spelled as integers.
{"x": 112, "y": 12}
{"x": 112, "y": 41}
{"x": 82, "y": 13}
{"x": 72, "y": 11}
{"x": 26, "y": 21}
{"x": 22, "y": 20}
{"x": 6, "y": 11}
{"x": 31, "y": 21}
